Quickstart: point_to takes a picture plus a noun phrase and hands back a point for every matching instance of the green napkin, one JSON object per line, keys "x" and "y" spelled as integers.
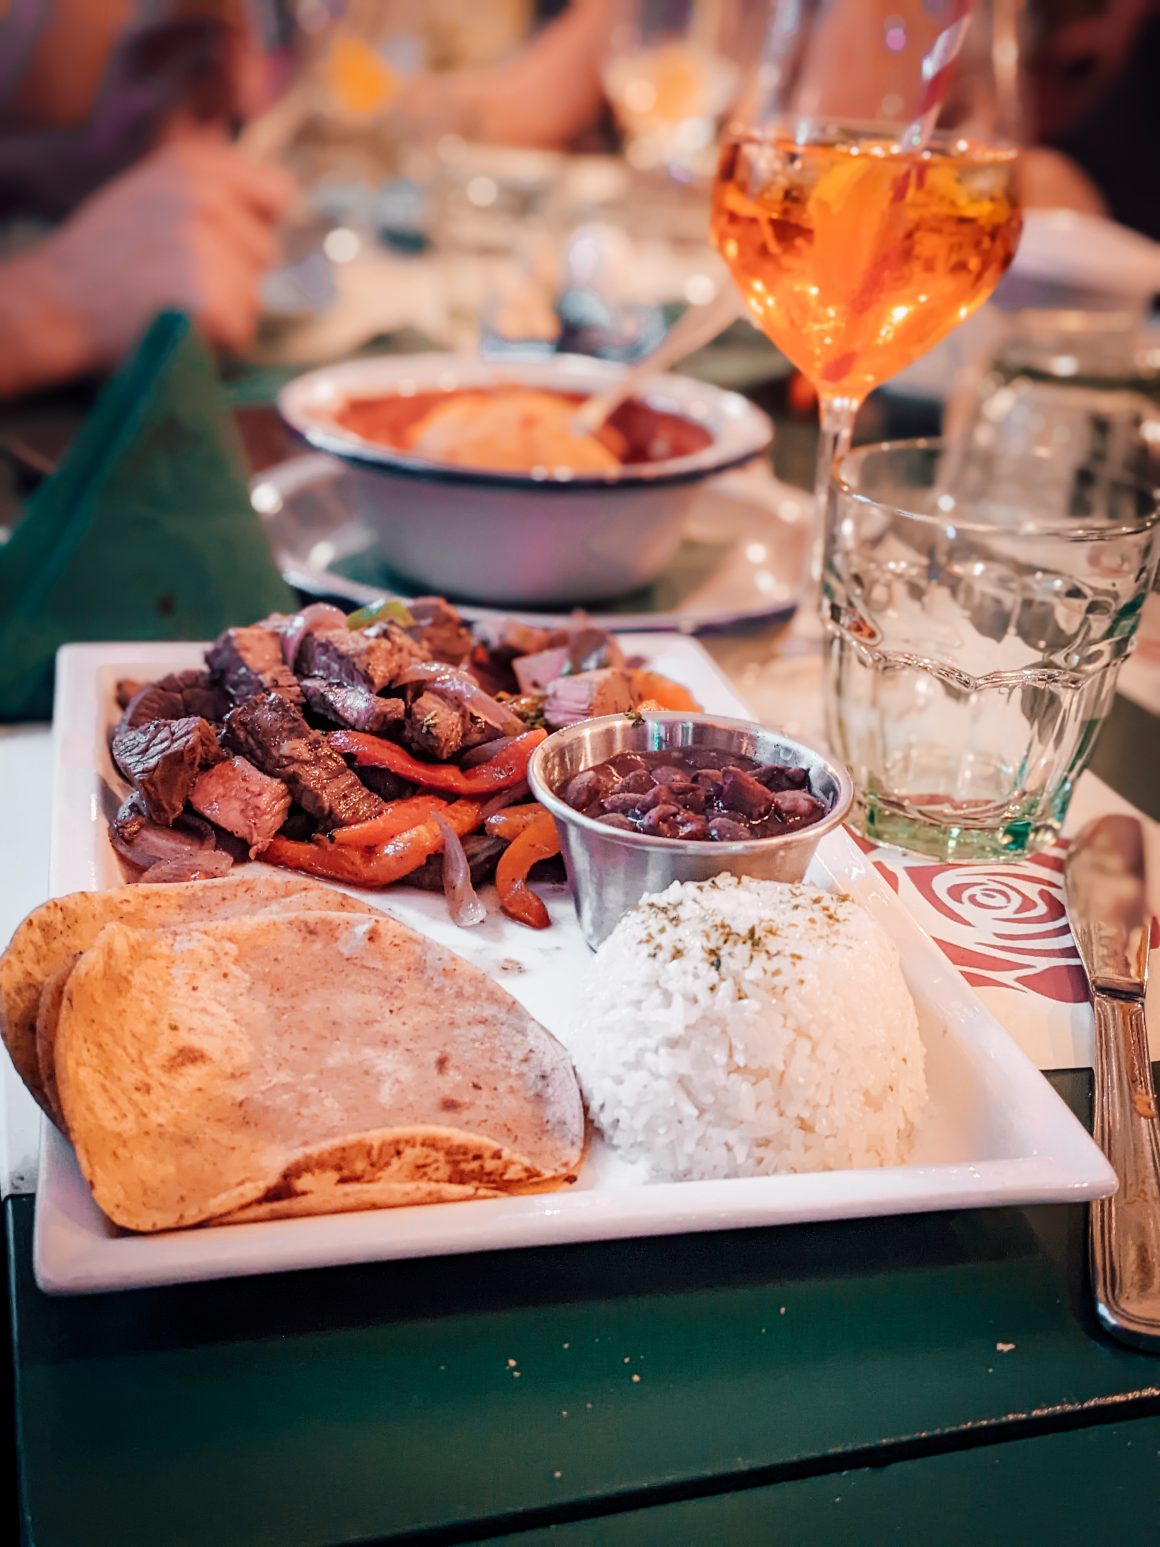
{"x": 145, "y": 532}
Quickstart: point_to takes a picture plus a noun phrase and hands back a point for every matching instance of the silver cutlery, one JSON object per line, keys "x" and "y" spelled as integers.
{"x": 1107, "y": 902}
{"x": 693, "y": 329}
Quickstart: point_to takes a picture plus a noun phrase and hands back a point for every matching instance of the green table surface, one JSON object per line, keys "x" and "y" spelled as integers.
{"x": 381, "y": 1403}
{"x": 1099, "y": 1485}
{"x": 814, "y": 1384}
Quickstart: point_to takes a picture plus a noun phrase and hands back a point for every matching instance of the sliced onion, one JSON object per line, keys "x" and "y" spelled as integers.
{"x": 464, "y": 690}
{"x": 318, "y": 615}
{"x": 485, "y": 751}
{"x": 508, "y": 797}
{"x": 462, "y": 899}
{"x": 189, "y": 867}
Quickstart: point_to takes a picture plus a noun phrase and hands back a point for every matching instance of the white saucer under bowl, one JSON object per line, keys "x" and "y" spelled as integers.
{"x": 740, "y": 559}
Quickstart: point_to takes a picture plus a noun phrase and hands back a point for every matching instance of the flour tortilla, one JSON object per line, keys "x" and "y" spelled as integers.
{"x": 53, "y": 934}
{"x": 47, "y": 1015}
{"x": 306, "y": 1063}
{"x": 409, "y": 1166}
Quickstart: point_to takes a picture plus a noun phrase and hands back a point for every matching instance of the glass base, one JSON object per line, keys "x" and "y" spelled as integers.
{"x": 881, "y": 821}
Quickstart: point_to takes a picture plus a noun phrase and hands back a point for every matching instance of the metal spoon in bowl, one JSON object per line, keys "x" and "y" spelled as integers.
{"x": 693, "y": 329}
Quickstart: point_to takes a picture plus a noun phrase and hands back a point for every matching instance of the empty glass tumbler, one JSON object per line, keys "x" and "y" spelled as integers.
{"x": 976, "y": 616}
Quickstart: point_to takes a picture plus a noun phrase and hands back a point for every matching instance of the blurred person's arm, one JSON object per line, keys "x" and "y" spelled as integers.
{"x": 97, "y": 90}
{"x": 191, "y": 227}
{"x": 546, "y": 96}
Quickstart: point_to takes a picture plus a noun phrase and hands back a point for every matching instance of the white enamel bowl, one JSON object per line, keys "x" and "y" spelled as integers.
{"x": 534, "y": 539}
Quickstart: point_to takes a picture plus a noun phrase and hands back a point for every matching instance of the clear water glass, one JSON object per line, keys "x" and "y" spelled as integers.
{"x": 976, "y": 610}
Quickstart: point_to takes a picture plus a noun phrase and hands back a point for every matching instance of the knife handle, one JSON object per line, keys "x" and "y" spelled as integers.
{"x": 1125, "y": 1228}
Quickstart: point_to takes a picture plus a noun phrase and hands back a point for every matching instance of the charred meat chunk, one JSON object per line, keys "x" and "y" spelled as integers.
{"x": 359, "y": 658}
{"x": 173, "y": 697}
{"x": 508, "y": 637}
{"x": 385, "y": 784}
{"x": 235, "y": 796}
{"x": 587, "y": 694}
{"x": 272, "y": 734}
{"x": 436, "y": 727}
{"x": 248, "y": 662}
{"x": 162, "y": 759}
{"x": 498, "y": 643}
{"x": 144, "y": 844}
{"x": 535, "y": 672}
{"x": 353, "y": 706}
{"x": 440, "y": 630}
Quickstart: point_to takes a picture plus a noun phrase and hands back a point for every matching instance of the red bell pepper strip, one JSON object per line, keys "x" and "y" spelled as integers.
{"x": 539, "y": 840}
{"x": 398, "y": 816}
{"x": 379, "y": 866}
{"x": 511, "y": 822}
{"x": 505, "y": 768}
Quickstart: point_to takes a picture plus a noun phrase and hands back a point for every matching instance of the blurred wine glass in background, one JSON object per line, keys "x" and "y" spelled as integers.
{"x": 670, "y": 74}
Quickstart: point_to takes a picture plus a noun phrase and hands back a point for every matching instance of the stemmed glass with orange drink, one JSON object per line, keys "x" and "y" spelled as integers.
{"x": 866, "y": 202}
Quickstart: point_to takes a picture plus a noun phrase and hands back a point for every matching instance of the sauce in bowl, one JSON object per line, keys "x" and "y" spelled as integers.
{"x": 636, "y": 433}
{"x": 706, "y": 794}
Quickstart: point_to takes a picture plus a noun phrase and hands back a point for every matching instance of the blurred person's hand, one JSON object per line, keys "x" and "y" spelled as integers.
{"x": 1050, "y": 180}
{"x": 191, "y": 227}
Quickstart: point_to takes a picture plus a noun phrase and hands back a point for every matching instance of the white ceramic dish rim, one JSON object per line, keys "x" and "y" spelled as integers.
{"x": 74, "y": 1251}
{"x": 302, "y": 471}
{"x": 740, "y": 431}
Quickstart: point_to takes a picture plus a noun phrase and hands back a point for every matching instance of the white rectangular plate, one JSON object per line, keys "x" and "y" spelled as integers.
{"x": 995, "y": 1132}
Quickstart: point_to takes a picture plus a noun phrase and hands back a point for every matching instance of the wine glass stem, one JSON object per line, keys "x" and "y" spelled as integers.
{"x": 837, "y": 415}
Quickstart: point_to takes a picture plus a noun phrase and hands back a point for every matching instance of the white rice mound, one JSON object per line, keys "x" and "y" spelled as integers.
{"x": 736, "y": 1027}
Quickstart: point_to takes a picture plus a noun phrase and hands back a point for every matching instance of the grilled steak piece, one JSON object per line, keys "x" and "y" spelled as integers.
{"x": 534, "y": 672}
{"x": 359, "y": 658}
{"x": 162, "y": 759}
{"x": 272, "y": 734}
{"x": 588, "y": 694}
{"x": 356, "y": 707}
{"x": 509, "y": 637}
{"x": 236, "y": 796}
{"x": 248, "y": 661}
{"x": 390, "y": 786}
{"x": 173, "y": 697}
{"x": 145, "y": 844}
{"x": 436, "y": 727}
{"x": 440, "y": 629}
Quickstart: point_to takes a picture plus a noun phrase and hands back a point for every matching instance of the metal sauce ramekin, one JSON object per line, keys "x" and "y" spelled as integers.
{"x": 610, "y": 870}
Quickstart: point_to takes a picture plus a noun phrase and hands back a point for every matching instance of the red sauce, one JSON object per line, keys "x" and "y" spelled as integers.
{"x": 635, "y": 433}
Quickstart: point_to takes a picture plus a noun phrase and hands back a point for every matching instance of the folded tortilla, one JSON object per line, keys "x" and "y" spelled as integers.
{"x": 51, "y": 937}
{"x": 307, "y": 1063}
